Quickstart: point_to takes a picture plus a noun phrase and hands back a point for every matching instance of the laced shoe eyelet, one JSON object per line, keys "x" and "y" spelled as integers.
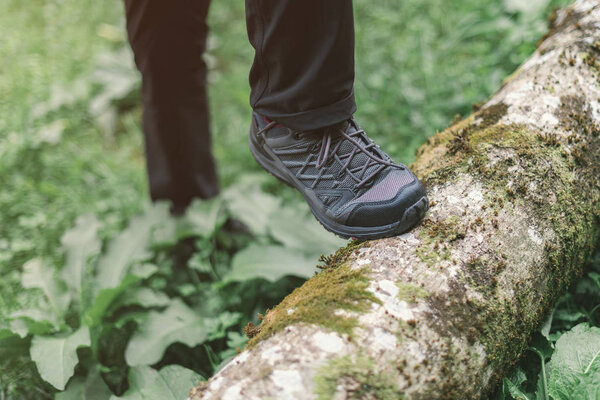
{"x": 296, "y": 135}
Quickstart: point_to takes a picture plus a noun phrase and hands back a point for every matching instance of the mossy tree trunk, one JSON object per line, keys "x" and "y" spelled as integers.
{"x": 443, "y": 311}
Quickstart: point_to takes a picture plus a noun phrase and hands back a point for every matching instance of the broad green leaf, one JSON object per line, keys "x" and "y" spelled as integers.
{"x": 517, "y": 376}
{"x": 139, "y": 378}
{"x": 38, "y": 275}
{"x": 13, "y": 347}
{"x": 187, "y": 289}
{"x": 595, "y": 277}
{"x": 200, "y": 263}
{"x": 90, "y": 388}
{"x": 173, "y": 383}
{"x": 6, "y": 331}
{"x": 34, "y": 321}
{"x": 298, "y": 230}
{"x": 118, "y": 84}
{"x": 177, "y": 323}
{"x": 22, "y": 328}
{"x": 529, "y": 8}
{"x": 585, "y": 287}
{"x": 164, "y": 235}
{"x": 514, "y": 390}
{"x": 105, "y": 298}
{"x": 510, "y": 386}
{"x": 235, "y": 341}
{"x": 129, "y": 246}
{"x": 589, "y": 388}
{"x": 56, "y": 356}
{"x": 540, "y": 345}
{"x": 52, "y": 133}
{"x": 61, "y": 96}
{"x": 575, "y": 362}
{"x": 80, "y": 244}
{"x": 545, "y": 329}
{"x": 202, "y": 218}
{"x": 251, "y": 206}
{"x": 223, "y": 321}
{"x": 568, "y": 315}
{"x": 143, "y": 297}
{"x": 270, "y": 263}
{"x": 143, "y": 271}
{"x": 139, "y": 317}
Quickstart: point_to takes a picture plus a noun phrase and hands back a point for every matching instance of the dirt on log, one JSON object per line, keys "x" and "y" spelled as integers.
{"x": 444, "y": 311}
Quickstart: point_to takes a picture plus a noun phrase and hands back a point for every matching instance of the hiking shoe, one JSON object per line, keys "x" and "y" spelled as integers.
{"x": 352, "y": 187}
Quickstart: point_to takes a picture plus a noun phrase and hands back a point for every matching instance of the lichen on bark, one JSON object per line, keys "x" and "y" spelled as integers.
{"x": 521, "y": 167}
{"x": 357, "y": 378}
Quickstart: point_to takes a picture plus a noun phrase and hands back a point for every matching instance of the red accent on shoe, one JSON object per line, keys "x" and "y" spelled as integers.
{"x": 268, "y": 121}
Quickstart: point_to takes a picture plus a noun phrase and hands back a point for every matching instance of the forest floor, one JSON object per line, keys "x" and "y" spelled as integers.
{"x": 71, "y": 146}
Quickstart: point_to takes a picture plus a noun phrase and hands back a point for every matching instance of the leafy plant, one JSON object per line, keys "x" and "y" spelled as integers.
{"x": 567, "y": 350}
{"x": 129, "y": 302}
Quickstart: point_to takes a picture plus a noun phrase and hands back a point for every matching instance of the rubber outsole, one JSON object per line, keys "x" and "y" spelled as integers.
{"x": 411, "y": 217}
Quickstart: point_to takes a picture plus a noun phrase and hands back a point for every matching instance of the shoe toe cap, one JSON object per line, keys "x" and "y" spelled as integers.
{"x": 391, "y": 210}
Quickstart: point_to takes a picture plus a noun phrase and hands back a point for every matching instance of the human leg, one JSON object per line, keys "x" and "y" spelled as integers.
{"x": 302, "y": 130}
{"x": 168, "y": 39}
{"x": 303, "y": 70}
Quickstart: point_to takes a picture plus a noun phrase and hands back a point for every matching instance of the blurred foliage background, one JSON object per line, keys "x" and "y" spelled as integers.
{"x": 70, "y": 146}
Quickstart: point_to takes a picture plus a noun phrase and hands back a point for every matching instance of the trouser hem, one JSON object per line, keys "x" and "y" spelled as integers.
{"x": 315, "y": 118}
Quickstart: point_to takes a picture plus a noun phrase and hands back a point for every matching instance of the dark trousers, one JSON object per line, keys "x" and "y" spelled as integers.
{"x": 302, "y": 76}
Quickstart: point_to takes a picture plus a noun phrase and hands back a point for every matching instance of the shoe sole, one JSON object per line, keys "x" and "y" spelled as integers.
{"x": 411, "y": 217}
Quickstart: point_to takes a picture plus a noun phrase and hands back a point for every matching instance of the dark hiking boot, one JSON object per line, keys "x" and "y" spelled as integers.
{"x": 352, "y": 187}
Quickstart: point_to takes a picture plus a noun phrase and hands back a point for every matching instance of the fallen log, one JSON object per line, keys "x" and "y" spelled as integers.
{"x": 443, "y": 311}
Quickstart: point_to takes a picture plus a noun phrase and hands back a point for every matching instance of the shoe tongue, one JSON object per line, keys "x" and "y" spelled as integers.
{"x": 278, "y": 131}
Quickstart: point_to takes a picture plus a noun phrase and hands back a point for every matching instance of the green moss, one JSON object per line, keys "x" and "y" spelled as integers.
{"x": 564, "y": 202}
{"x": 481, "y": 272}
{"x": 590, "y": 56}
{"x": 547, "y": 180}
{"x": 359, "y": 378}
{"x": 541, "y": 163}
{"x": 437, "y": 235}
{"x": 491, "y": 114}
{"x": 410, "y": 293}
{"x": 567, "y": 20}
{"x": 485, "y": 117}
{"x": 336, "y": 287}
{"x": 264, "y": 371}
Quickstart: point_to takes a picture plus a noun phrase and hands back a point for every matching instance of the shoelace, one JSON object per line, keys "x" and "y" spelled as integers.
{"x": 326, "y": 153}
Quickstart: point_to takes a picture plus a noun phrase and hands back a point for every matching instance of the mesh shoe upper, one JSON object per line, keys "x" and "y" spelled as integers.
{"x": 356, "y": 183}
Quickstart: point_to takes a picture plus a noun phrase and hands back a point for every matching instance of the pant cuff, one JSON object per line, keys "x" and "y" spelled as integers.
{"x": 321, "y": 117}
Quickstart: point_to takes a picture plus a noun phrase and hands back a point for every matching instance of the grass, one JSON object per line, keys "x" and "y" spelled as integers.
{"x": 419, "y": 63}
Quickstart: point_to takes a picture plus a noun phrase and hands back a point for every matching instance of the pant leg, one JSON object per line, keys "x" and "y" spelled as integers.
{"x": 303, "y": 71}
{"x": 168, "y": 39}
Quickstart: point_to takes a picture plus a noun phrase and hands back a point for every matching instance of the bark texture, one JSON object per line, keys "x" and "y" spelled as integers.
{"x": 443, "y": 311}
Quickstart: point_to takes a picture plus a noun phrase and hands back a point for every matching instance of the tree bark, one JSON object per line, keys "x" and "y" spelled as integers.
{"x": 444, "y": 311}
